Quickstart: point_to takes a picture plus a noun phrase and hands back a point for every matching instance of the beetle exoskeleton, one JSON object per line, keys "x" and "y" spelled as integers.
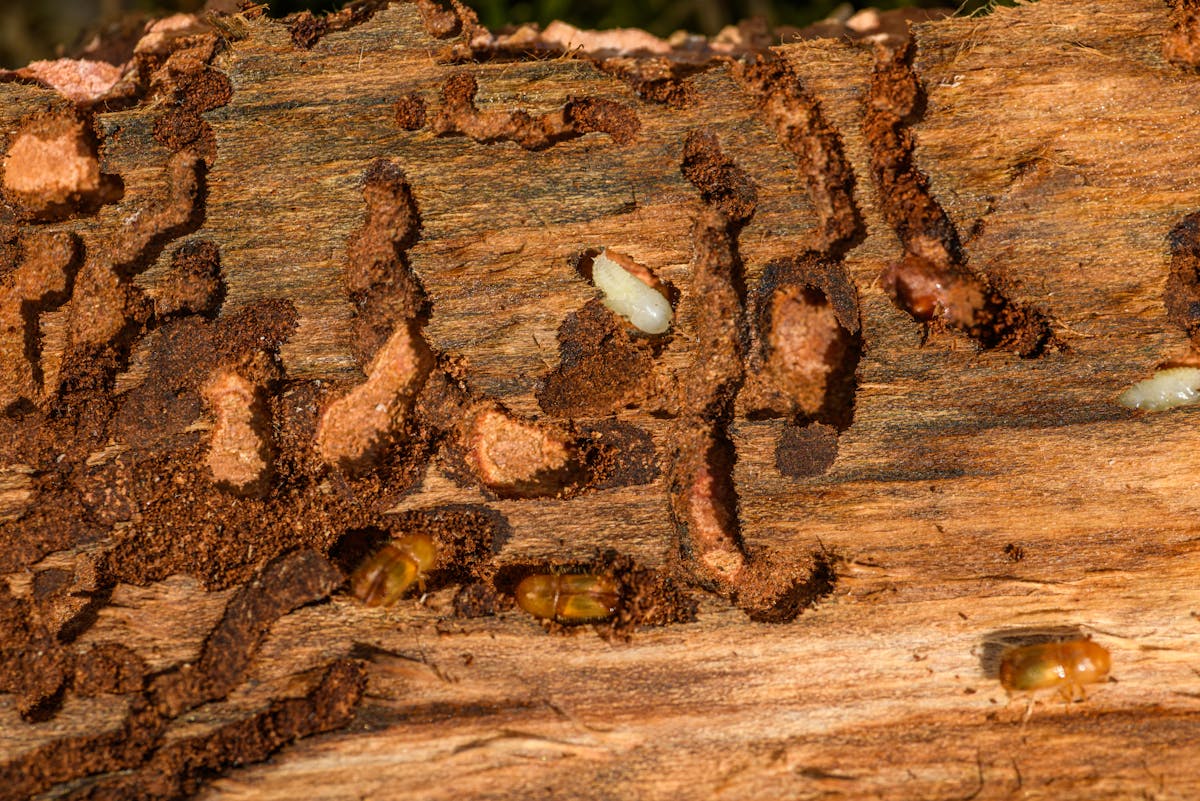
{"x": 568, "y": 597}
{"x": 1065, "y": 666}
{"x": 389, "y": 572}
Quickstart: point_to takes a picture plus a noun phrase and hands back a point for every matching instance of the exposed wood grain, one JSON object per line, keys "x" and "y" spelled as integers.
{"x": 1062, "y": 146}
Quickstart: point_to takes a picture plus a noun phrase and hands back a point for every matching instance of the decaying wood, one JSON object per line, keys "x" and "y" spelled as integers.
{"x": 288, "y": 289}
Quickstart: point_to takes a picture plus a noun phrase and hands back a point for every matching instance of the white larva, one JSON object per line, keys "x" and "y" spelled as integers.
{"x": 1166, "y": 389}
{"x": 630, "y": 297}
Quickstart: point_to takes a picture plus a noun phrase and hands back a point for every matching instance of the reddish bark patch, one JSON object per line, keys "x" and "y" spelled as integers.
{"x": 110, "y": 309}
{"x": 439, "y": 22}
{"x": 33, "y": 665}
{"x": 722, "y": 184}
{"x": 704, "y": 507}
{"x": 603, "y": 366}
{"x": 700, "y": 472}
{"x": 155, "y": 470}
{"x": 806, "y": 342}
{"x": 619, "y": 454}
{"x": 778, "y": 590}
{"x": 82, "y": 483}
{"x": 809, "y": 344}
{"x": 285, "y": 584}
{"x": 519, "y": 458}
{"x": 83, "y": 81}
{"x": 1181, "y": 44}
{"x": 180, "y": 75}
{"x": 239, "y": 450}
{"x": 381, "y": 284}
{"x": 51, "y": 169}
{"x": 166, "y": 36}
{"x": 358, "y": 428}
{"x": 108, "y": 668}
{"x": 180, "y": 768}
{"x": 156, "y": 413}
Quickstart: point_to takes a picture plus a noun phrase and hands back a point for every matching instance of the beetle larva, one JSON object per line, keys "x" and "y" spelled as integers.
{"x": 631, "y": 297}
{"x": 1166, "y": 389}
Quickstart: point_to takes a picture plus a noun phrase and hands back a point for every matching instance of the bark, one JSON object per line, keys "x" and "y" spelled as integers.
{"x": 274, "y": 293}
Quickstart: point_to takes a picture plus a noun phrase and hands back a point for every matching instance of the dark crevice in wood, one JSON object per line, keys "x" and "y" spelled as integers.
{"x": 816, "y": 147}
{"x": 1182, "y": 292}
{"x": 931, "y": 280}
{"x": 703, "y": 496}
{"x": 808, "y": 344}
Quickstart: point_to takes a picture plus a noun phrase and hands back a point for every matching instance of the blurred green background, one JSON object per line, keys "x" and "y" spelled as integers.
{"x": 32, "y": 29}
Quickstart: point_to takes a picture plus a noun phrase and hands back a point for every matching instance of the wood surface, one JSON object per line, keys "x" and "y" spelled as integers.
{"x": 1062, "y": 146}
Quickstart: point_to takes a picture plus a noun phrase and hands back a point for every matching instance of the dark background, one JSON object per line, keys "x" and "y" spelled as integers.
{"x": 33, "y": 29}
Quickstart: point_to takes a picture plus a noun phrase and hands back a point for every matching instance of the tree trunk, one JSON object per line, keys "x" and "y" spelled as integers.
{"x": 281, "y": 291}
